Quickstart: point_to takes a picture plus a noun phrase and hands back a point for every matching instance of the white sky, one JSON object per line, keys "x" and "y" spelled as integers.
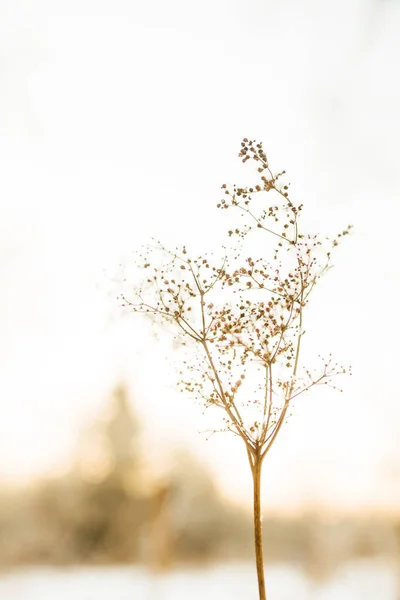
{"x": 119, "y": 121}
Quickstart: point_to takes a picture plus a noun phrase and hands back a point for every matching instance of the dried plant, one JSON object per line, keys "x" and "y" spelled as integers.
{"x": 241, "y": 319}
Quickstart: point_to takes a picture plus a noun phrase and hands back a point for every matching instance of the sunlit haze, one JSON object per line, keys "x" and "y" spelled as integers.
{"x": 119, "y": 122}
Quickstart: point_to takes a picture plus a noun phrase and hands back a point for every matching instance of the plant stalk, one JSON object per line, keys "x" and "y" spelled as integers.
{"x": 258, "y": 541}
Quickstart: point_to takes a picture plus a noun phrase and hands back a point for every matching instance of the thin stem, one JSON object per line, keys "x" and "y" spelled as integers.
{"x": 270, "y": 440}
{"x": 260, "y": 225}
{"x": 236, "y": 419}
{"x": 258, "y": 541}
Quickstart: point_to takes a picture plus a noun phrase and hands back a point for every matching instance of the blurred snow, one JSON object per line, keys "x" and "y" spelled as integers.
{"x": 355, "y": 581}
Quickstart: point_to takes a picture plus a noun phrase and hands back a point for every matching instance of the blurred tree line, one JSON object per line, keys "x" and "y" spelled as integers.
{"x": 107, "y": 509}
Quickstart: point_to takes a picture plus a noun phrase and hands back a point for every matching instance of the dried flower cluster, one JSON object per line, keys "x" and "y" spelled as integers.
{"x": 244, "y": 317}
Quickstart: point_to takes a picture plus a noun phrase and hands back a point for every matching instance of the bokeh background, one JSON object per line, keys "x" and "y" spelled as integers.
{"x": 119, "y": 122}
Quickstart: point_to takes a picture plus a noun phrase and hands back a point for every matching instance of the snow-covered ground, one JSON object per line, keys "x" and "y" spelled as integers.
{"x": 356, "y": 581}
